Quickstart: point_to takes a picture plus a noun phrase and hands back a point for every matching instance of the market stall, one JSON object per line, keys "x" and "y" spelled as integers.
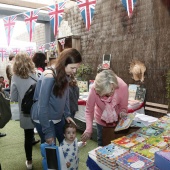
{"x": 147, "y": 148}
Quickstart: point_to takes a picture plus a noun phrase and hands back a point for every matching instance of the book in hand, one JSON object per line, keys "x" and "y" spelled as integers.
{"x": 124, "y": 122}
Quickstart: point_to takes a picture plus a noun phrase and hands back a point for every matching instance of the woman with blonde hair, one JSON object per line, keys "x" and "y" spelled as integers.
{"x": 24, "y": 76}
{"x": 107, "y": 102}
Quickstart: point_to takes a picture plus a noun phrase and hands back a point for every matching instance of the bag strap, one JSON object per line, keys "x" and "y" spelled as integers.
{"x": 33, "y": 79}
{"x": 50, "y": 68}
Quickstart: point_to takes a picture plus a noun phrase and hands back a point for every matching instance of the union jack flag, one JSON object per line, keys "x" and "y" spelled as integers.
{"x": 87, "y": 8}
{"x": 52, "y": 45}
{"x": 3, "y": 53}
{"x": 55, "y": 13}
{"x": 29, "y": 50}
{"x": 41, "y": 48}
{"x": 129, "y": 5}
{"x": 15, "y": 50}
{"x": 9, "y": 24}
{"x": 62, "y": 42}
{"x": 30, "y": 20}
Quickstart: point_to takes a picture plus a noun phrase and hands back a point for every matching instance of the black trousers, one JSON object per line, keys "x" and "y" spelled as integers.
{"x": 29, "y": 134}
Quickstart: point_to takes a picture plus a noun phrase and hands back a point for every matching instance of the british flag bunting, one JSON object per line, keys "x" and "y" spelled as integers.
{"x": 9, "y": 24}
{"x": 15, "y": 50}
{"x": 30, "y": 20}
{"x": 2, "y": 53}
{"x": 55, "y": 13}
{"x": 87, "y": 8}
{"x": 129, "y": 5}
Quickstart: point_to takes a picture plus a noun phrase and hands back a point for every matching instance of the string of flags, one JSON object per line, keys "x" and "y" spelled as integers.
{"x": 4, "y": 52}
{"x": 86, "y": 7}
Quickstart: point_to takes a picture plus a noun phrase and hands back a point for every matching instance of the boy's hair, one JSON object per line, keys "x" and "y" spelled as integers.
{"x": 69, "y": 125}
{"x": 2, "y": 77}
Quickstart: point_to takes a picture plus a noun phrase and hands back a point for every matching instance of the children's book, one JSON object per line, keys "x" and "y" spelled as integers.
{"x": 146, "y": 150}
{"x": 137, "y": 137}
{"x": 157, "y": 141}
{"x": 151, "y": 131}
{"x": 132, "y": 91}
{"x": 134, "y": 161}
{"x": 161, "y": 124}
{"x": 125, "y": 142}
{"x": 140, "y": 94}
{"x": 111, "y": 152}
{"x": 83, "y": 86}
{"x": 124, "y": 122}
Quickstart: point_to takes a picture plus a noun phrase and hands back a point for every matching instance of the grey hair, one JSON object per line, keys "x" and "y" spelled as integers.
{"x": 103, "y": 82}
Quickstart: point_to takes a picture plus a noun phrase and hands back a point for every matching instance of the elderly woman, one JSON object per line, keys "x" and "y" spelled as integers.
{"x": 107, "y": 101}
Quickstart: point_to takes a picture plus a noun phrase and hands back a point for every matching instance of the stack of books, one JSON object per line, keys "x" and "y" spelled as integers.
{"x": 134, "y": 161}
{"x": 108, "y": 155}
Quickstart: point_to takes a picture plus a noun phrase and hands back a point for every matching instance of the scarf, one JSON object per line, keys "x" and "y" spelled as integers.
{"x": 109, "y": 114}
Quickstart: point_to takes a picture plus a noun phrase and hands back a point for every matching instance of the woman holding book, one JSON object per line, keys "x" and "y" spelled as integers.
{"x": 107, "y": 102}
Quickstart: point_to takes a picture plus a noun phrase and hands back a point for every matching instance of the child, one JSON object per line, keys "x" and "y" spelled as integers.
{"x": 70, "y": 146}
{"x": 2, "y": 82}
{"x": 73, "y": 95}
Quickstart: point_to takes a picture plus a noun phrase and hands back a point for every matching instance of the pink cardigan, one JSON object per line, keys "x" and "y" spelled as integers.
{"x": 95, "y": 106}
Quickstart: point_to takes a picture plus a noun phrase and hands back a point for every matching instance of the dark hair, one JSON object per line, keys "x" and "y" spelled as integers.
{"x": 39, "y": 60}
{"x": 11, "y": 56}
{"x": 69, "y": 125}
{"x": 1, "y": 77}
{"x": 67, "y": 56}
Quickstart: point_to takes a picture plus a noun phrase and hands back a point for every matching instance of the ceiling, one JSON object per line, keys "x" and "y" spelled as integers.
{"x": 28, "y": 3}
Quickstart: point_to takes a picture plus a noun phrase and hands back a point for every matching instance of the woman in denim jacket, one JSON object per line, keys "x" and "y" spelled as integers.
{"x": 52, "y": 108}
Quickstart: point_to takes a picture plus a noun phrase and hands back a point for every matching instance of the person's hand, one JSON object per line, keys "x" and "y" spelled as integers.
{"x": 50, "y": 141}
{"x": 69, "y": 120}
{"x": 84, "y": 144}
{"x": 123, "y": 115}
{"x": 68, "y": 164}
{"x": 85, "y": 136}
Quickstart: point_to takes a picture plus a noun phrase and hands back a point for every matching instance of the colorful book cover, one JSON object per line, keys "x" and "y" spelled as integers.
{"x": 124, "y": 122}
{"x": 165, "y": 119}
{"x": 146, "y": 150}
{"x": 151, "y": 131}
{"x": 134, "y": 161}
{"x": 83, "y": 86}
{"x": 137, "y": 137}
{"x": 132, "y": 91}
{"x": 125, "y": 142}
{"x": 157, "y": 141}
{"x": 140, "y": 94}
{"x": 161, "y": 124}
{"x": 111, "y": 152}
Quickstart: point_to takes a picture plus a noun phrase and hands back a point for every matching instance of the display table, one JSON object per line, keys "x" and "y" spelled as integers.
{"x": 150, "y": 145}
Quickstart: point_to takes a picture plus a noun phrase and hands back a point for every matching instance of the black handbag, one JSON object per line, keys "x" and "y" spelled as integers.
{"x": 5, "y": 110}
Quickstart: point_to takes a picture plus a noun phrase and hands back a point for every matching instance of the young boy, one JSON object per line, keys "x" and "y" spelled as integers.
{"x": 70, "y": 146}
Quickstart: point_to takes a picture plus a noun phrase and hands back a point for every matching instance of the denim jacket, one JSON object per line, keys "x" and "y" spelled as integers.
{"x": 47, "y": 106}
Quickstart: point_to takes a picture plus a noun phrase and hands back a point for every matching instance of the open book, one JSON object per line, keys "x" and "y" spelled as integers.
{"x": 124, "y": 122}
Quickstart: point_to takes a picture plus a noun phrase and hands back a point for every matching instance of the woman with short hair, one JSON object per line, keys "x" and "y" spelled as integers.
{"x": 24, "y": 76}
{"x": 107, "y": 101}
